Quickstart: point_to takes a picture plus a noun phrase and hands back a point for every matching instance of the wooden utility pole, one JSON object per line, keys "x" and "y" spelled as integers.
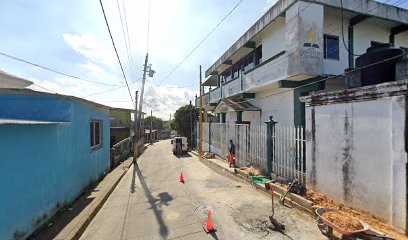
{"x": 136, "y": 131}
{"x": 201, "y": 116}
{"x": 151, "y": 126}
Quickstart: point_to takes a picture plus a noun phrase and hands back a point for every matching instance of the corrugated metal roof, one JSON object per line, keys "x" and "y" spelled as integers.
{"x": 4, "y": 121}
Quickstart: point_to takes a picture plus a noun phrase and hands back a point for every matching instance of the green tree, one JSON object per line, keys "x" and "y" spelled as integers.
{"x": 155, "y": 120}
{"x": 181, "y": 122}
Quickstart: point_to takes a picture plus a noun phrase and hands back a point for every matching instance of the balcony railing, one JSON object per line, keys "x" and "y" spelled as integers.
{"x": 269, "y": 71}
{"x": 265, "y": 73}
{"x": 215, "y": 95}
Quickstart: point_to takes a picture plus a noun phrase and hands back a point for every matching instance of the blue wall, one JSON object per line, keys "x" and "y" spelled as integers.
{"x": 45, "y": 165}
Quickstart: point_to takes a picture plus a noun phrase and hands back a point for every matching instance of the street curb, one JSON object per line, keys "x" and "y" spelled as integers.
{"x": 262, "y": 188}
{"x": 81, "y": 227}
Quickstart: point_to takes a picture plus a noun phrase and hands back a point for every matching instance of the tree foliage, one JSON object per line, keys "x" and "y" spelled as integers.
{"x": 182, "y": 122}
{"x": 157, "y": 122}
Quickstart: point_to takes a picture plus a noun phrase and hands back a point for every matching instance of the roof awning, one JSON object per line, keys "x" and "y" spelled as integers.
{"x": 7, "y": 121}
{"x": 234, "y": 105}
{"x": 211, "y": 81}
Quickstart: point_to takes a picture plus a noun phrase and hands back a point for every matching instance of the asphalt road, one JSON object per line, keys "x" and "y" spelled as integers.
{"x": 151, "y": 203}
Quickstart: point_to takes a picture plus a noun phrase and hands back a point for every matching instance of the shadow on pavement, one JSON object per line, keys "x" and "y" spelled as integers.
{"x": 164, "y": 199}
{"x": 214, "y": 235}
{"x": 187, "y": 155}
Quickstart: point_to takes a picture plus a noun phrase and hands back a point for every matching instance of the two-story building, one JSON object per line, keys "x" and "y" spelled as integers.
{"x": 294, "y": 49}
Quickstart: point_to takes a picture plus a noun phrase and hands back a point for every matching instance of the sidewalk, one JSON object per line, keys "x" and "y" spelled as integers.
{"x": 72, "y": 222}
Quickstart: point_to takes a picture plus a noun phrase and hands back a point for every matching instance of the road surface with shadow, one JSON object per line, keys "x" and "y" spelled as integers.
{"x": 151, "y": 203}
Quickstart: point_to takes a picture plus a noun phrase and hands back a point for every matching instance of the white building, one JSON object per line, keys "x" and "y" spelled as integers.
{"x": 292, "y": 44}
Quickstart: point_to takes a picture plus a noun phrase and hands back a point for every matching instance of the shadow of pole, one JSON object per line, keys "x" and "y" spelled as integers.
{"x": 158, "y": 213}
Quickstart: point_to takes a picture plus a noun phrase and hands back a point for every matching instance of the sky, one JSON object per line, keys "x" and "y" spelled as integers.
{"x": 71, "y": 36}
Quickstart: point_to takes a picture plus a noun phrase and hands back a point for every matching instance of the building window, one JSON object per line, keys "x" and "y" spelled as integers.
{"x": 331, "y": 47}
{"x": 95, "y": 133}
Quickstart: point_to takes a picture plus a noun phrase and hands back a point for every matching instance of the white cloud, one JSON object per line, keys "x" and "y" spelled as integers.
{"x": 65, "y": 86}
{"x": 93, "y": 69}
{"x": 91, "y": 48}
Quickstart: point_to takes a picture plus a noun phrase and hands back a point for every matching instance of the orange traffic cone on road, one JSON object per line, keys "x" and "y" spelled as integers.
{"x": 181, "y": 177}
{"x": 210, "y": 226}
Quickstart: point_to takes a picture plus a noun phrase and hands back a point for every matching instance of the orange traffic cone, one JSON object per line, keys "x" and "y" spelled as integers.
{"x": 181, "y": 177}
{"x": 210, "y": 226}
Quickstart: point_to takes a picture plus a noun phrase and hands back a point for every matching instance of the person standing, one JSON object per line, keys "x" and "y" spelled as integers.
{"x": 231, "y": 153}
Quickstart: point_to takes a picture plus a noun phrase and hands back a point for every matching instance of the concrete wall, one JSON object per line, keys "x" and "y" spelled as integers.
{"x": 356, "y": 150}
{"x": 44, "y": 166}
{"x": 273, "y": 39}
{"x": 280, "y": 106}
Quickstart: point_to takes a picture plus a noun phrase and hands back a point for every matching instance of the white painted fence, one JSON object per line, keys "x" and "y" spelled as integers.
{"x": 288, "y": 146}
{"x": 289, "y": 152}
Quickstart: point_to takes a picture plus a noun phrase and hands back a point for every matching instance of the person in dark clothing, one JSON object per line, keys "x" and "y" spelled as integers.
{"x": 231, "y": 154}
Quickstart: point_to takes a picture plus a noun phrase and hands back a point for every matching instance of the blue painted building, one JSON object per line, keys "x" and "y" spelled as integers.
{"x": 51, "y": 148}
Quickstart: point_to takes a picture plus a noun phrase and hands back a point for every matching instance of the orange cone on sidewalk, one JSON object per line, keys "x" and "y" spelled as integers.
{"x": 181, "y": 177}
{"x": 210, "y": 226}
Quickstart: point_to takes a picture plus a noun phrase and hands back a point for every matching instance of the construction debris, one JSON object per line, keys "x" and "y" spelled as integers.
{"x": 208, "y": 155}
{"x": 254, "y": 171}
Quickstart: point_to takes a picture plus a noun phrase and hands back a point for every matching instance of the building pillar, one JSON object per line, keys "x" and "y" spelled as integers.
{"x": 270, "y": 143}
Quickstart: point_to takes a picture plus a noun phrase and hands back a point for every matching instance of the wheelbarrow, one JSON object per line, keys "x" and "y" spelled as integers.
{"x": 326, "y": 228}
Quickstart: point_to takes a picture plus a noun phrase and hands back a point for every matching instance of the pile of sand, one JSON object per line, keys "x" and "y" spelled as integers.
{"x": 343, "y": 221}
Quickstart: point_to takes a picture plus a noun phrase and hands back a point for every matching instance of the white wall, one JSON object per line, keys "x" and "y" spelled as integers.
{"x": 366, "y": 32}
{"x": 273, "y": 39}
{"x": 401, "y": 40}
{"x": 332, "y": 26}
{"x": 253, "y": 117}
{"x": 280, "y": 106}
{"x": 355, "y": 154}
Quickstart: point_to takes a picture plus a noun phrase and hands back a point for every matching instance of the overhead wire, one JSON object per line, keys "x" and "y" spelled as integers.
{"x": 130, "y": 64}
{"x": 117, "y": 55}
{"x": 53, "y": 70}
{"x": 328, "y": 78}
{"x": 201, "y": 42}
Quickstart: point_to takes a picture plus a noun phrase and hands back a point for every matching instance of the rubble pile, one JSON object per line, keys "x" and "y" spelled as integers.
{"x": 208, "y": 155}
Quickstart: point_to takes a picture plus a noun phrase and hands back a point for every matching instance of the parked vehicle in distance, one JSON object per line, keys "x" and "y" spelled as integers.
{"x": 179, "y": 145}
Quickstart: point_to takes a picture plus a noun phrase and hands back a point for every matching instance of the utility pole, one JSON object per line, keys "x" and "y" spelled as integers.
{"x": 136, "y": 131}
{"x": 201, "y": 116}
{"x": 170, "y": 116}
{"x": 146, "y": 69}
{"x": 191, "y": 128}
{"x": 157, "y": 130}
{"x": 151, "y": 127}
{"x": 143, "y": 84}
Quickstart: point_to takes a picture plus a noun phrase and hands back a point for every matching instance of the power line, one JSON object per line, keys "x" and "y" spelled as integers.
{"x": 324, "y": 79}
{"x": 117, "y": 55}
{"x": 130, "y": 65}
{"x": 109, "y": 90}
{"x": 52, "y": 70}
{"x": 201, "y": 42}
{"x": 286, "y": 57}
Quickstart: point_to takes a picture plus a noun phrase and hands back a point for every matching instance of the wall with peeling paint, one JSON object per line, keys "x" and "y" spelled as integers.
{"x": 356, "y": 148}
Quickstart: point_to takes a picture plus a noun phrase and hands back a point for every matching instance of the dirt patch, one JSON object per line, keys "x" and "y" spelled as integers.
{"x": 320, "y": 200}
{"x": 376, "y": 223}
{"x": 343, "y": 221}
